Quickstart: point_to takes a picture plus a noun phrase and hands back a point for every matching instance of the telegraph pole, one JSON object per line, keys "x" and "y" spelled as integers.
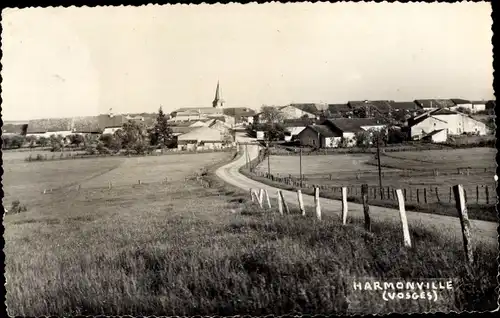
{"x": 268, "y": 162}
{"x": 379, "y": 168}
{"x": 300, "y": 164}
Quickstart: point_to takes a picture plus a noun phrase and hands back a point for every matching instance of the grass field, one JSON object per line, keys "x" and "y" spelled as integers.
{"x": 179, "y": 249}
{"x": 410, "y": 170}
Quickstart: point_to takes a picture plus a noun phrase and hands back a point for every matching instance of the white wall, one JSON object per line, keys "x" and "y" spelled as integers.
{"x": 110, "y": 130}
{"x": 441, "y": 136}
{"x": 428, "y": 125}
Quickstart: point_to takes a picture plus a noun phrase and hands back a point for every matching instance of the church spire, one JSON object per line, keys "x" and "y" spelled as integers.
{"x": 218, "y": 101}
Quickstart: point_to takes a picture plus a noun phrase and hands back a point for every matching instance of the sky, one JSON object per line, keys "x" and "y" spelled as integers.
{"x": 64, "y": 62}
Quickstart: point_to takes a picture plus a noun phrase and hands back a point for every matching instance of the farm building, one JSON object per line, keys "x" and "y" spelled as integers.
{"x": 472, "y": 107}
{"x": 333, "y": 131}
{"x": 436, "y": 136}
{"x": 321, "y": 136}
{"x": 47, "y": 127}
{"x": 431, "y": 104}
{"x": 14, "y": 129}
{"x": 337, "y": 110}
{"x": 454, "y": 122}
{"x": 240, "y": 114}
{"x": 110, "y": 123}
{"x": 287, "y": 112}
{"x": 294, "y": 126}
{"x": 86, "y": 125}
{"x": 205, "y": 137}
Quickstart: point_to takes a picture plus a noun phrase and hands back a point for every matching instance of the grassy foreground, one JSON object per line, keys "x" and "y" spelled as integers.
{"x": 182, "y": 249}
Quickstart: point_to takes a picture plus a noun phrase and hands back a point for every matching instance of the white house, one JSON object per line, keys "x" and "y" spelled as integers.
{"x": 455, "y": 123}
{"x": 437, "y": 136}
{"x": 206, "y": 137}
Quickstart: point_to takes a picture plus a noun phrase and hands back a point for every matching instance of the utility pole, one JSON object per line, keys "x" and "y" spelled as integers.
{"x": 268, "y": 162}
{"x": 246, "y": 154}
{"x": 300, "y": 168}
{"x": 379, "y": 168}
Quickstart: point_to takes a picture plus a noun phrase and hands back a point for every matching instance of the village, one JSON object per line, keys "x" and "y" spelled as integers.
{"x": 312, "y": 125}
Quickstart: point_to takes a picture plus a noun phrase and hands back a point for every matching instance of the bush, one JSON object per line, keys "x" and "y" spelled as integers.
{"x": 16, "y": 207}
{"x": 39, "y": 157}
{"x": 91, "y": 150}
{"x": 140, "y": 147}
{"x": 55, "y": 147}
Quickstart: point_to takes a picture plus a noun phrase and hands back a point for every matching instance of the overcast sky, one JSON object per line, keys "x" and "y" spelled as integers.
{"x": 82, "y": 61}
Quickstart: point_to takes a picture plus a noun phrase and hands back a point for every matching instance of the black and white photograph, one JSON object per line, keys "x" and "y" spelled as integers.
{"x": 249, "y": 159}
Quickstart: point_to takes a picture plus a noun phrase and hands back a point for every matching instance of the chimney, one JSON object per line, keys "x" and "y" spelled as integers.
{"x": 111, "y": 113}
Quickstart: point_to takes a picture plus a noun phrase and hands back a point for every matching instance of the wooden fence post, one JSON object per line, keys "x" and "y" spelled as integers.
{"x": 316, "y": 203}
{"x": 301, "y": 202}
{"x": 344, "y": 205}
{"x": 477, "y": 193}
{"x": 280, "y": 203}
{"x": 268, "y": 200}
{"x": 285, "y": 205}
{"x": 418, "y": 196}
{"x": 110, "y": 185}
{"x": 261, "y": 197}
{"x": 404, "y": 193}
{"x": 464, "y": 221}
{"x": 251, "y": 195}
{"x": 487, "y": 192}
{"x": 366, "y": 208}
{"x": 404, "y": 221}
{"x": 425, "y": 195}
{"x": 449, "y": 200}
{"x": 437, "y": 194}
{"x": 388, "y": 194}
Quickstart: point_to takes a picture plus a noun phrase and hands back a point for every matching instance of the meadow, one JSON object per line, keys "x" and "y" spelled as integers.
{"x": 182, "y": 249}
{"x": 411, "y": 171}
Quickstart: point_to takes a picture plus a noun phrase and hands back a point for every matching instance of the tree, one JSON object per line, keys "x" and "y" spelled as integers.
{"x": 107, "y": 140}
{"x": 131, "y": 134}
{"x": 6, "y": 142}
{"x": 43, "y": 141}
{"x": 378, "y": 136}
{"x": 271, "y": 114}
{"x": 160, "y": 133}
{"x": 396, "y": 136}
{"x": 274, "y": 131}
{"x": 76, "y": 139}
{"x": 464, "y": 110}
{"x": 362, "y": 138}
{"x": 17, "y": 142}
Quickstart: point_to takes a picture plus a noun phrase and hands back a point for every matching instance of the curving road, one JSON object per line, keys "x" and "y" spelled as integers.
{"x": 482, "y": 231}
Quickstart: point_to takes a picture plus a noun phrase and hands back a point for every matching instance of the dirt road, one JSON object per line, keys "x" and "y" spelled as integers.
{"x": 482, "y": 231}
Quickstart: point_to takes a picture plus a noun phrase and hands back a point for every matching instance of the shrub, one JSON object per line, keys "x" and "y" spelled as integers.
{"x": 40, "y": 157}
{"x": 140, "y": 147}
{"x": 55, "y": 147}
{"x": 16, "y": 207}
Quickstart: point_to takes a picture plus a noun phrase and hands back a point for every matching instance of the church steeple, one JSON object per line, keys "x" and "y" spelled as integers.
{"x": 218, "y": 101}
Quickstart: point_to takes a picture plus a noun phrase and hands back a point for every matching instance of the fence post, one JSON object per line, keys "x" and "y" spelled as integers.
{"x": 366, "y": 208}
{"x": 285, "y": 205}
{"x": 267, "y": 199}
{"x": 425, "y": 195}
{"x": 477, "y": 193}
{"x": 487, "y": 195}
{"x": 139, "y": 181}
{"x": 404, "y": 221}
{"x": 261, "y": 197}
{"x": 110, "y": 185}
{"x": 418, "y": 196}
{"x": 437, "y": 194}
{"x": 464, "y": 221}
{"x": 251, "y": 195}
{"x": 280, "y": 203}
{"x": 316, "y": 203}
{"x": 449, "y": 200}
{"x": 411, "y": 199}
{"x": 388, "y": 193}
{"x": 344, "y": 205}
{"x": 301, "y": 202}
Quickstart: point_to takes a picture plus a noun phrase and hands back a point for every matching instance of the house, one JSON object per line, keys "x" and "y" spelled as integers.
{"x": 348, "y": 127}
{"x": 436, "y": 136}
{"x": 404, "y": 106}
{"x": 478, "y": 106}
{"x": 86, "y": 125}
{"x": 14, "y": 129}
{"x": 455, "y": 123}
{"x": 205, "y": 137}
{"x": 240, "y": 114}
{"x": 287, "y": 112}
{"x": 110, "y": 123}
{"x": 47, "y": 127}
{"x": 337, "y": 110}
{"x": 319, "y": 136}
{"x": 431, "y": 104}
{"x": 294, "y": 126}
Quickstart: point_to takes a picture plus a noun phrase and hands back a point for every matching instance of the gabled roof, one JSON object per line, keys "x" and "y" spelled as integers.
{"x": 14, "y": 128}
{"x": 459, "y": 101}
{"x": 338, "y": 108}
{"x": 87, "y": 124}
{"x": 182, "y": 129}
{"x": 238, "y": 112}
{"x": 439, "y": 111}
{"x": 199, "y": 110}
{"x": 353, "y": 124}
{"x": 383, "y": 106}
{"x": 432, "y": 133}
{"x": 323, "y": 130}
{"x": 301, "y": 122}
{"x": 203, "y": 134}
{"x": 404, "y": 105}
{"x": 306, "y": 107}
{"x": 107, "y": 121}
{"x": 49, "y": 125}
{"x": 434, "y": 103}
